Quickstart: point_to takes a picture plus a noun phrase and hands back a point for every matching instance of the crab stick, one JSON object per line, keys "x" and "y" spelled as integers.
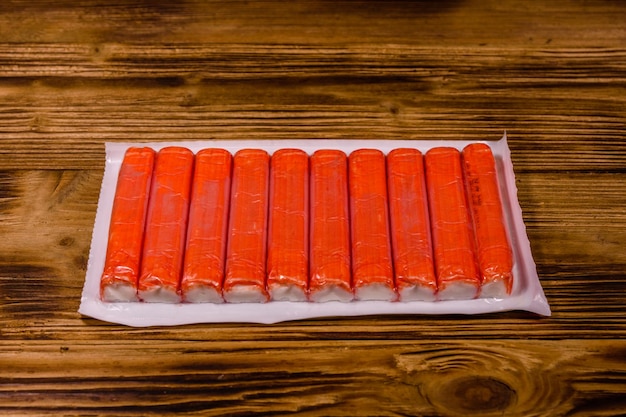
{"x": 452, "y": 232}
{"x": 288, "y": 232}
{"x": 410, "y": 226}
{"x": 205, "y": 250}
{"x": 164, "y": 242}
{"x": 247, "y": 230}
{"x": 128, "y": 216}
{"x": 494, "y": 253}
{"x": 372, "y": 269}
{"x": 329, "y": 276}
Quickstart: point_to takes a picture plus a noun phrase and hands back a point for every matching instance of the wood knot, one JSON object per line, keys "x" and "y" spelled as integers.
{"x": 38, "y": 123}
{"x": 486, "y": 379}
{"x": 391, "y": 107}
{"x": 480, "y": 394}
{"x": 66, "y": 241}
{"x": 100, "y": 53}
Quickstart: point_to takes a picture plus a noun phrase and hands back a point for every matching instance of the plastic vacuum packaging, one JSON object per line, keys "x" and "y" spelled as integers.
{"x": 504, "y": 276}
{"x": 453, "y": 237}
{"x": 205, "y": 249}
{"x": 127, "y": 223}
{"x": 493, "y": 250}
{"x": 288, "y": 226}
{"x": 410, "y": 226}
{"x": 166, "y": 224}
{"x": 372, "y": 270}
{"x": 330, "y": 277}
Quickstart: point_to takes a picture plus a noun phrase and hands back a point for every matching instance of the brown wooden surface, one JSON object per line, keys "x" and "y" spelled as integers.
{"x": 74, "y": 75}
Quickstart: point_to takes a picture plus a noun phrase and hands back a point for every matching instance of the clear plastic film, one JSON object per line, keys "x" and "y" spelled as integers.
{"x": 330, "y": 276}
{"x": 493, "y": 250}
{"x": 410, "y": 226}
{"x": 526, "y": 293}
{"x": 205, "y": 251}
{"x": 372, "y": 270}
{"x": 453, "y": 237}
{"x": 288, "y": 226}
{"x": 128, "y": 217}
{"x": 164, "y": 238}
{"x": 244, "y": 279}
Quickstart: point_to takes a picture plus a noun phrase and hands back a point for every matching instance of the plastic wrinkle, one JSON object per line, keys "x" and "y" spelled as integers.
{"x": 333, "y": 296}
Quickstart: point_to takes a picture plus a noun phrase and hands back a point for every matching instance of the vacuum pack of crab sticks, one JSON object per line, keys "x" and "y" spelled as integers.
{"x": 270, "y": 231}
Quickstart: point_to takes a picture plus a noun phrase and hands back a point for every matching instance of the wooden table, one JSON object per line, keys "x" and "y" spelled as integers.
{"x": 552, "y": 74}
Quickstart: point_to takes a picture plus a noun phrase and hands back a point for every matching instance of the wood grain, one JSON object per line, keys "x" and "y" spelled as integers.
{"x": 570, "y": 101}
{"x": 446, "y": 22}
{"x": 552, "y": 75}
{"x": 339, "y": 378}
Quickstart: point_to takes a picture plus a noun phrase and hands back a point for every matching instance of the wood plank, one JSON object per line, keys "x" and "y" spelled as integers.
{"x": 452, "y": 22}
{"x": 74, "y": 75}
{"x": 512, "y": 377}
{"x": 63, "y": 95}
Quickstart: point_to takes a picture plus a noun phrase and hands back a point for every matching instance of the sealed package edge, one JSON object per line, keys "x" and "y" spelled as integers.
{"x": 523, "y": 292}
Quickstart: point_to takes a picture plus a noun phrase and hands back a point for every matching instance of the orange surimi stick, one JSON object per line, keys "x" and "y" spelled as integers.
{"x": 329, "y": 277}
{"x": 205, "y": 251}
{"x": 410, "y": 226}
{"x": 247, "y": 230}
{"x": 288, "y": 231}
{"x": 494, "y": 253}
{"x": 372, "y": 269}
{"x": 452, "y": 232}
{"x": 130, "y": 205}
{"x": 166, "y": 226}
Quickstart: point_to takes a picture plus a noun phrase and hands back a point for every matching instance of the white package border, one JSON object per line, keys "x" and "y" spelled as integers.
{"x": 527, "y": 293}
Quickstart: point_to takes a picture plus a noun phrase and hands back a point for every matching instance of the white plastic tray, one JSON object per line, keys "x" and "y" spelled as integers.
{"x": 527, "y": 292}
